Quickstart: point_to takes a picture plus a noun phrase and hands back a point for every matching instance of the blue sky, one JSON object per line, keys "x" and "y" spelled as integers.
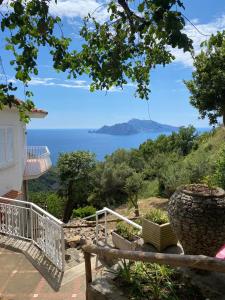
{"x": 71, "y": 105}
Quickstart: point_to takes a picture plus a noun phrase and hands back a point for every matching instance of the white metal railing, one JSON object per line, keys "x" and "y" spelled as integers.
{"x": 105, "y": 211}
{"x": 37, "y": 161}
{"x": 28, "y": 221}
{"x": 33, "y": 152}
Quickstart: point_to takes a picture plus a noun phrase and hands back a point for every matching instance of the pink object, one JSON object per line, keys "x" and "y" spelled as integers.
{"x": 221, "y": 253}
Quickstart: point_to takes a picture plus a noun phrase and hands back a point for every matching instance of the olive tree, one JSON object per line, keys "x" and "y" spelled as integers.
{"x": 135, "y": 38}
{"x": 133, "y": 186}
{"x": 75, "y": 181}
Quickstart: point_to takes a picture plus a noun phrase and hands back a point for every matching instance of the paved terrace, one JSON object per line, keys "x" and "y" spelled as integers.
{"x": 26, "y": 274}
{"x": 19, "y": 280}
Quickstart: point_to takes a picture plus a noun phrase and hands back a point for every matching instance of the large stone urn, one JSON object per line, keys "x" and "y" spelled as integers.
{"x": 197, "y": 216}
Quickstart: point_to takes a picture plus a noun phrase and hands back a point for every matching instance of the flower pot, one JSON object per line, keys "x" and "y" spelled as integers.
{"x": 122, "y": 243}
{"x": 160, "y": 236}
{"x": 197, "y": 215}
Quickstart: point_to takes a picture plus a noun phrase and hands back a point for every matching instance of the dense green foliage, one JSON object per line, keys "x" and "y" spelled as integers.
{"x": 74, "y": 178}
{"x": 207, "y": 87}
{"x": 26, "y": 26}
{"x": 48, "y": 182}
{"x": 219, "y": 177}
{"x": 132, "y": 42}
{"x": 49, "y": 201}
{"x": 136, "y": 37}
{"x": 83, "y": 212}
{"x": 157, "y": 168}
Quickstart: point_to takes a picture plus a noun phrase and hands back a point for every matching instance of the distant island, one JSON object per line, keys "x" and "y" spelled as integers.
{"x": 135, "y": 126}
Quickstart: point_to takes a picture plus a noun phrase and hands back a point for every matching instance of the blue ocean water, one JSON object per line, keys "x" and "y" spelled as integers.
{"x": 66, "y": 140}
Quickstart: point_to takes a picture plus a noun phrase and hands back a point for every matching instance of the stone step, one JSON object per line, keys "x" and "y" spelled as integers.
{"x": 76, "y": 271}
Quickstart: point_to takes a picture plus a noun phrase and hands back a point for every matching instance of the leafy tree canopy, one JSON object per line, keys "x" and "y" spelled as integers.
{"x": 137, "y": 37}
{"x": 207, "y": 86}
{"x": 181, "y": 142}
{"x": 74, "y": 174}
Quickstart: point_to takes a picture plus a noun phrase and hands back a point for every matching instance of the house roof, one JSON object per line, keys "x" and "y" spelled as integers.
{"x": 12, "y": 194}
{"x": 35, "y": 112}
{"x": 38, "y": 113}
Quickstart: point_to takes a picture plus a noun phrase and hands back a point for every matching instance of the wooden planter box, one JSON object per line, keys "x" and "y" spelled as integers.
{"x": 122, "y": 243}
{"x": 160, "y": 236}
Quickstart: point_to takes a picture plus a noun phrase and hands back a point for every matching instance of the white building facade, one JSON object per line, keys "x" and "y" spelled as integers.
{"x": 19, "y": 162}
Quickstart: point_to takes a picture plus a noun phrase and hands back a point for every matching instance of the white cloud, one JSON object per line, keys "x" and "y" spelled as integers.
{"x": 206, "y": 30}
{"x": 49, "y": 81}
{"x": 79, "y": 8}
{"x": 69, "y": 84}
{"x": 42, "y": 81}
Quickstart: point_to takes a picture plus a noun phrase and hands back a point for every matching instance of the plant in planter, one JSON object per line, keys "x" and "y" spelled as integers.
{"x": 150, "y": 281}
{"x": 157, "y": 230}
{"x": 197, "y": 214}
{"x": 125, "y": 236}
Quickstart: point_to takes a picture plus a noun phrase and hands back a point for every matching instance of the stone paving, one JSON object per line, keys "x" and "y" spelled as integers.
{"x": 19, "y": 280}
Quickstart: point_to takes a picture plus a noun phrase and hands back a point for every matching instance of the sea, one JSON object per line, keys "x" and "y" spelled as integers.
{"x": 67, "y": 140}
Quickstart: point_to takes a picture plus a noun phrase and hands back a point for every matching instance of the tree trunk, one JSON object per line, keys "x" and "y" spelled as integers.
{"x": 69, "y": 204}
{"x": 224, "y": 119}
{"x": 136, "y": 211}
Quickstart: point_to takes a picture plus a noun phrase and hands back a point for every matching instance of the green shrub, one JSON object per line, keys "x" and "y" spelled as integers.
{"x": 157, "y": 216}
{"x": 149, "y": 189}
{"x": 219, "y": 176}
{"x": 126, "y": 231}
{"x": 55, "y": 205}
{"x": 49, "y": 201}
{"x": 84, "y": 212}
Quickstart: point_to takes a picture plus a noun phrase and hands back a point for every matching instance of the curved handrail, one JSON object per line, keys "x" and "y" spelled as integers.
{"x": 33, "y": 205}
{"x": 26, "y": 220}
{"x": 191, "y": 261}
{"x": 104, "y": 211}
{"x": 36, "y": 151}
{"x": 176, "y": 260}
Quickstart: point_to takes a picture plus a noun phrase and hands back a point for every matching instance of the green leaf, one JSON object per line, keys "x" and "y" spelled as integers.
{"x": 141, "y": 7}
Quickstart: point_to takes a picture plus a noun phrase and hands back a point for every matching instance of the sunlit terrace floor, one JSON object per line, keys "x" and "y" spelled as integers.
{"x": 19, "y": 280}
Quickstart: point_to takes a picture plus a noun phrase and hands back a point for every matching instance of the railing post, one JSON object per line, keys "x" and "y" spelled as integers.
{"x": 63, "y": 248}
{"x": 106, "y": 231}
{"x": 88, "y": 272}
{"x": 31, "y": 223}
{"x": 96, "y": 228}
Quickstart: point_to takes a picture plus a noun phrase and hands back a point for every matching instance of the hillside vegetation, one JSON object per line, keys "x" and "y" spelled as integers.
{"x": 157, "y": 168}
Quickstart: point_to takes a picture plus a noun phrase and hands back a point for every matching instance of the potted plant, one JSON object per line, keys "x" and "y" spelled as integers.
{"x": 157, "y": 231}
{"x": 125, "y": 236}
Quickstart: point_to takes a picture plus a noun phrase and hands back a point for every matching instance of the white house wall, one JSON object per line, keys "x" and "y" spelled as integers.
{"x": 11, "y": 177}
